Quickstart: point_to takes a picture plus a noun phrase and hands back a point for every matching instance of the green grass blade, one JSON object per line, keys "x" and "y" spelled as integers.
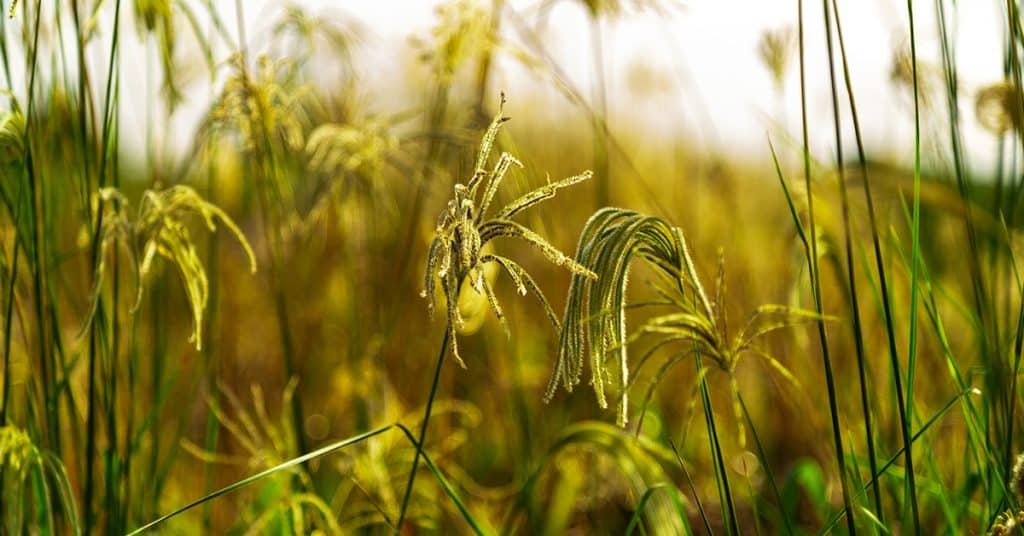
{"x": 827, "y": 529}
{"x": 448, "y": 489}
{"x": 277, "y": 468}
{"x": 906, "y": 410}
{"x": 812, "y": 262}
{"x": 673, "y": 493}
{"x": 851, "y": 276}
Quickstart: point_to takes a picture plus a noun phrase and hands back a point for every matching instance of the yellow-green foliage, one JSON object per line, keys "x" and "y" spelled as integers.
{"x": 329, "y": 169}
{"x": 31, "y": 473}
{"x": 159, "y": 228}
{"x": 595, "y": 316}
{"x": 262, "y": 107}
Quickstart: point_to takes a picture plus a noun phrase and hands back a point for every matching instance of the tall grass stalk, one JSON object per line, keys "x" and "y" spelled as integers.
{"x": 763, "y": 459}
{"x": 423, "y": 428}
{"x": 887, "y": 308}
{"x": 210, "y": 362}
{"x": 37, "y": 196}
{"x": 721, "y": 469}
{"x": 851, "y": 276}
{"x": 813, "y": 273}
{"x": 693, "y": 489}
{"x": 272, "y": 230}
{"x": 96, "y": 339}
{"x": 989, "y": 334}
{"x": 906, "y": 412}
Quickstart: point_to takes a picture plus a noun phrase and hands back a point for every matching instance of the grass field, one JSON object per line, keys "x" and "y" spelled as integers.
{"x": 321, "y": 311}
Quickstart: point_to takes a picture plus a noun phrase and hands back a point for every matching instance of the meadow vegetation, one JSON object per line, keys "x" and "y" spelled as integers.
{"x": 321, "y": 317}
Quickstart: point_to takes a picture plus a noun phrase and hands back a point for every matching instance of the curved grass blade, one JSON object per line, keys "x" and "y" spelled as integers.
{"x": 827, "y": 529}
{"x": 473, "y": 523}
{"x": 677, "y": 501}
{"x": 693, "y": 489}
{"x": 448, "y": 489}
{"x": 277, "y": 468}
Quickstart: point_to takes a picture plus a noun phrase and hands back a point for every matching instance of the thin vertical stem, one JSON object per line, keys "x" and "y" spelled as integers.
{"x": 851, "y": 276}
{"x": 812, "y": 262}
{"x": 914, "y": 276}
{"x": 721, "y": 470}
{"x": 423, "y": 426}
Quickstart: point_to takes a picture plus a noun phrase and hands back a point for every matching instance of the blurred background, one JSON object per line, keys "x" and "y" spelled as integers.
{"x": 319, "y": 142}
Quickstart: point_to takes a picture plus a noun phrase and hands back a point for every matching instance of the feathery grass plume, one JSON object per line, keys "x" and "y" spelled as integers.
{"x": 775, "y": 48}
{"x": 346, "y": 158}
{"x": 21, "y": 462}
{"x": 269, "y": 103}
{"x": 306, "y": 33}
{"x": 159, "y": 228}
{"x": 595, "y": 316}
{"x": 341, "y": 149}
{"x": 464, "y": 227}
{"x": 462, "y": 32}
{"x": 929, "y": 77}
{"x": 998, "y": 107}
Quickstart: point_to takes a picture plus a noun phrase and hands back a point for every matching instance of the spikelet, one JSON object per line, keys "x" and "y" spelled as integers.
{"x": 464, "y": 229}
{"x": 1007, "y": 523}
{"x": 594, "y": 323}
{"x": 159, "y": 229}
{"x": 262, "y": 107}
{"x": 462, "y": 31}
{"x": 775, "y": 49}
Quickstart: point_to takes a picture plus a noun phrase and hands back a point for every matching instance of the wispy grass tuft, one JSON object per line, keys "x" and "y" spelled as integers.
{"x": 456, "y": 255}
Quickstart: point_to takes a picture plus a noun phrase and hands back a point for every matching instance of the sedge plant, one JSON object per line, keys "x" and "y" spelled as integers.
{"x": 595, "y": 336}
{"x": 456, "y": 255}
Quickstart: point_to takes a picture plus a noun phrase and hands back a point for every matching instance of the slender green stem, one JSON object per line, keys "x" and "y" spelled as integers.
{"x": 272, "y": 230}
{"x": 862, "y": 160}
{"x": 423, "y": 427}
{"x": 722, "y": 471}
{"x": 693, "y": 489}
{"x": 98, "y": 321}
{"x": 905, "y": 416}
{"x": 37, "y": 194}
{"x": 764, "y": 464}
{"x": 851, "y": 276}
{"x": 812, "y": 263}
